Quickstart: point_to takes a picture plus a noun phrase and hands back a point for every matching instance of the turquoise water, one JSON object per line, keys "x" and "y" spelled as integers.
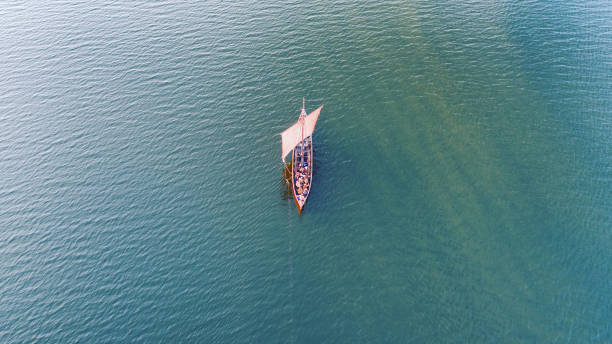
{"x": 462, "y": 190}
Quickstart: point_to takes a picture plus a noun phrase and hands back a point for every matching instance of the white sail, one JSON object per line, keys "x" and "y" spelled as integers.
{"x": 311, "y": 121}
{"x": 302, "y": 129}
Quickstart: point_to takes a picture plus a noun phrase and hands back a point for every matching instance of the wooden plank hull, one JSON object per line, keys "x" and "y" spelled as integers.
{"x": 301, "y": 172}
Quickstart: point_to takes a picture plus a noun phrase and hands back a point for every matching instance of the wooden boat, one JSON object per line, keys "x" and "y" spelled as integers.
{"x": 297, "y": 140}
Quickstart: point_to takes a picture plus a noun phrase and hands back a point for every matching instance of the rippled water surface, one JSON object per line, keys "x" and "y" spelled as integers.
{"x": 463, "y": 186}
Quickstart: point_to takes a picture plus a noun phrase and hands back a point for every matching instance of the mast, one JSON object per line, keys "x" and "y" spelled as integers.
{"x": 302, "y": 116}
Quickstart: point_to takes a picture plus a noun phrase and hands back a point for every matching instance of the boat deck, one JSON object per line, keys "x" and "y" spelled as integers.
{"x": 302, "y": 172}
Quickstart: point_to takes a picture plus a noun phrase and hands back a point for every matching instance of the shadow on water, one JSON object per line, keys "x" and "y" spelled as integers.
{"x": 285, "y": 185}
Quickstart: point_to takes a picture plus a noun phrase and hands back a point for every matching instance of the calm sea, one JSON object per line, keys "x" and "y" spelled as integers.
{"x": 463, "y": 186}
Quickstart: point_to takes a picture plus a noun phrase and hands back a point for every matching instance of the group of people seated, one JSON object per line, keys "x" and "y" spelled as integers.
{"x": 301, "y": 182}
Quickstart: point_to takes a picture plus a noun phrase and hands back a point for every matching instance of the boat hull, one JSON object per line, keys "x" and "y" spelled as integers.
{"x": 301, "y": 172}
